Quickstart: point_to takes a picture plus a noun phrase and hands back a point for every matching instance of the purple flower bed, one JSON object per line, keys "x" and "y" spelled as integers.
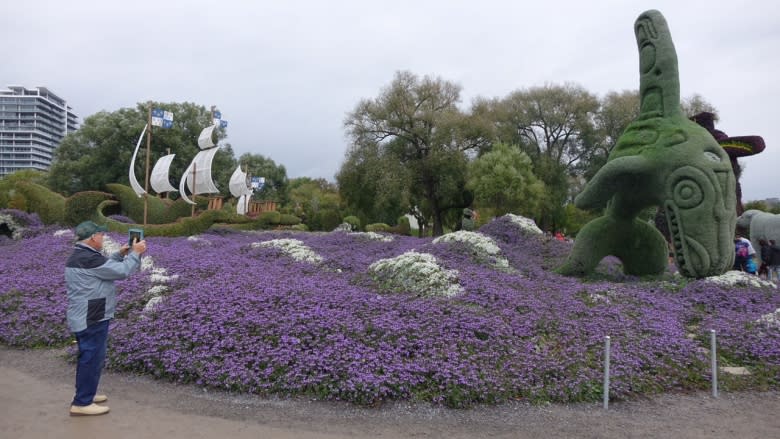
{"x": 254, "y": 320}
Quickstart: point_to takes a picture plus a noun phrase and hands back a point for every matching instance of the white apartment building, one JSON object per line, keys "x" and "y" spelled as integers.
{"x": 33, "y": 122}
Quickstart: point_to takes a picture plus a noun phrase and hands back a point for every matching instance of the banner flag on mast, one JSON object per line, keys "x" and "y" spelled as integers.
{"x": 162, "y": 118}
{"x": 258, "y": 182}
{"x": 218, "y": 120}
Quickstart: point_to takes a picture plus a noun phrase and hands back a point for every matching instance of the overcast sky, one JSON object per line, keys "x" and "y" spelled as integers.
{"x": 286, "y": 73}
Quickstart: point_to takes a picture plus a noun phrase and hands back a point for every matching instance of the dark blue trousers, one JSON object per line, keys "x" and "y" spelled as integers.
{"x": 92, "y": 354}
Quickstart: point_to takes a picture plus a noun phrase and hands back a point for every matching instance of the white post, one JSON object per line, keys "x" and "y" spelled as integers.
{"x": 714, "y": 364}
{"x": 606, "y": 372}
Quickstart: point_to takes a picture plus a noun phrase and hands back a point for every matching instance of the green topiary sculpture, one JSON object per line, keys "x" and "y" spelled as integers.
{"x": 662, "y": 159}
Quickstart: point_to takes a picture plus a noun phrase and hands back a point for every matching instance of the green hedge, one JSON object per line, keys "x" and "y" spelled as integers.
{"x": 271, "y": 217}
{"x": 50, "y": 206}
{"x": 10, "y": 197}
{"x": 82, "y": 206}
{"x": 325, "y": 219}
{"x": 160, "y": 211}
{"x": 189, "y": 226}
{"x": 403, "y": 227}
{"x": 353, "y": 221}
{"x": 377, "y": 227}
{"x": 184, "y": 227}
{"x": 288, "y": 220}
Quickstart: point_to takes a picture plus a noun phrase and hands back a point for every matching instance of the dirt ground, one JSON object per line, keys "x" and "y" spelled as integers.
{"x": 36, "y": 387}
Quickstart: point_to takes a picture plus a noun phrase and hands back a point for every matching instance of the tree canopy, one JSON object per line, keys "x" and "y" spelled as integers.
{"x": 503, "y": 181}
{"x": 276, "y": 185}
{"x": 374, "y": 185}
{"x": 416, "y": 122}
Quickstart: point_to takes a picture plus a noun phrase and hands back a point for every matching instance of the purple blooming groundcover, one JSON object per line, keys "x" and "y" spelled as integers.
{"x": 252, "y": 319}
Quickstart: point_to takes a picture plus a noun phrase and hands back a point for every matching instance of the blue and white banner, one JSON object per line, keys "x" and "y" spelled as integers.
{"x": 258, "y": 182}
{"x": 162, "y": 118}
{"x": 217, "y": 120}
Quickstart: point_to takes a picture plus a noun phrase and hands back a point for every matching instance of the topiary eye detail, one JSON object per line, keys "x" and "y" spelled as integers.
{"x": 687, "y": 193}
{"x": 711, "y": 156}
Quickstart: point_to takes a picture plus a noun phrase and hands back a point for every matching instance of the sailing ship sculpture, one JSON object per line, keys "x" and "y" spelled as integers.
{"x": 197, "y": 177}
{"x": 240, "y": 189}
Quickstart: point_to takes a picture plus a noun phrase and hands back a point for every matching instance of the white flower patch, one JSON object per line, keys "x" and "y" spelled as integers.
{"x": 740, "y": 278}
{"x": 110, "y": 246}
{"x": 157, "y": 290}
{"x": 482, "y": 245}
{"x": 198, "y": 240}
{"x": 599, "y": 298}
{"x": 152, "y": 304}
{"x": 293, "y": 248}
{"x": 160, "y": 275}
{"x": 418, "y": 273}
{"x": 16, "y": 229}
{"x": 771, "y": 319}
{"x": 373, "y": 236}
{"x": 526, "y": 224}
{"x": 343, "y": 227}
{"x": 147, "y": 263}
{"x": 64, "y": 232}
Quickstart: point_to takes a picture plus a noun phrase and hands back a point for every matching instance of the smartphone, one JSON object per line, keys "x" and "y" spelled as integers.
{"x": 134, "y": 235}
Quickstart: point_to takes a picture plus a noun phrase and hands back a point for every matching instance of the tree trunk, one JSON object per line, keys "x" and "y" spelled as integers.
{"x": 438, "y": 228}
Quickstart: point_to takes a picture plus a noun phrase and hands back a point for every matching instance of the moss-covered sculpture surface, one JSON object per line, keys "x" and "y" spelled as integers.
{"x": 662, "y": 159}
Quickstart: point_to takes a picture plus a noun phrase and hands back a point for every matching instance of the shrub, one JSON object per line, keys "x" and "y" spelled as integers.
{"x": 49, "y": 206}
{"x": 16, "y": 201}
{"x": 270, "y": 217}
{"x": 289, "y": 220}
{"x": 403, "y": 227}
{"x": 377, "y": 227}
{"x": 353, "y": 221}
{"x": 159, "y": 211}
{"x": 122, "y": 219}
{"x": 82, "y": 206}
{"x": 325, "y": 219}
{"x": 9, "y": 197}
{"x": 177, "y": 209}
{"x": 183, "y": 227}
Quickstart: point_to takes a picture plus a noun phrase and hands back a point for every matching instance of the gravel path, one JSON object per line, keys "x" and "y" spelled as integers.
{"x": 36, "y": 387}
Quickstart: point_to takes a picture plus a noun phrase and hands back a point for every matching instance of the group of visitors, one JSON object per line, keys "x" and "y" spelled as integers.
{"x": 745, "y": 254}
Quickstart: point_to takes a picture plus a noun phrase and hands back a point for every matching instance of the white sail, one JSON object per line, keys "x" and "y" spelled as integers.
{"x": 241, "y": 204}
{"x": 238, "y": 186}
{"x": 134, "y": 181}
{"x": 207, "y": 137}
{"x": 159, "y": 179}
{"x": 200, "y": 182}
{"x": 182, "y": 183}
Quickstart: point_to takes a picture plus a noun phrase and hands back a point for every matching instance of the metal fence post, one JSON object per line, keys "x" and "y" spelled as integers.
{"x": 606, "y": 372}
{"x": 714, "y": 363}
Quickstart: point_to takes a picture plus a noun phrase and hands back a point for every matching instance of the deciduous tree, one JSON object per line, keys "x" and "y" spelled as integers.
{"x": 417, "y": 121}
{"x": 503, "y": 181}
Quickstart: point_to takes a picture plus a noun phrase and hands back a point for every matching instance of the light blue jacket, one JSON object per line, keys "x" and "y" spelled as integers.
{"x": 90, "y": 277}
